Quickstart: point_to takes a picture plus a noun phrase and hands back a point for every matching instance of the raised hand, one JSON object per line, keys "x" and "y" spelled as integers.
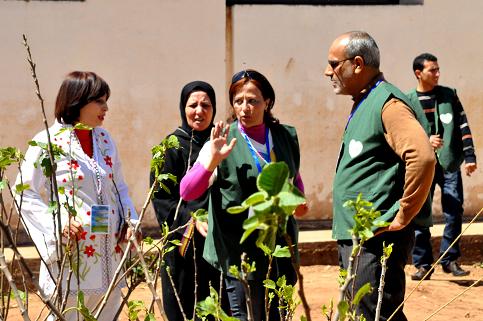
{"x": 219, "y": 147}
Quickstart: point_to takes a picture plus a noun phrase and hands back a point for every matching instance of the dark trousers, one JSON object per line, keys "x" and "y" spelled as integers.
{"x": 182, "y": 270}
{"x": 369, "y": 271}
{"x": 238, "y": 305}
{"x": 451, "y": 186}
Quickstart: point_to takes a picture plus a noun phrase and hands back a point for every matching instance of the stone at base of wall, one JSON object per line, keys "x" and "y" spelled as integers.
{"x": 325, "y": 252}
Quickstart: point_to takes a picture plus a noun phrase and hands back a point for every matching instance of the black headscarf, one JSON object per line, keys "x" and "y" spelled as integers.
{"x": 193, "y": 86}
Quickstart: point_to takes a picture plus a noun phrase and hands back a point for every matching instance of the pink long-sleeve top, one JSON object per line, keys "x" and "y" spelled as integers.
{"x": 197, "y": 179}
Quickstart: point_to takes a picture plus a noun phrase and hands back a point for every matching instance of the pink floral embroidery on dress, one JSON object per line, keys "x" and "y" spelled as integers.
{"x": 83, "y": 235}
{"x": 73, "y": 164}
{"x": 108, "y": 160}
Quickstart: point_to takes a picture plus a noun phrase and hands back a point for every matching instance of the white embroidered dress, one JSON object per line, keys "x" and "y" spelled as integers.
{"x": 86, "y": 181}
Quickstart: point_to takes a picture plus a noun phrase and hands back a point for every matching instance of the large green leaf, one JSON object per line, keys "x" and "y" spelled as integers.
{"x": 264, "y": 207}
{"x": 19, "y": 188}
{"x": 237, "y": 209}
{"x": 289, "y": 201}
{"x": 250, "y": 225}
{"x": 363, "y": 290}
{"x": 255, "y": 198}
{"x": 84, "y": 311}
{"x": 269, "y": 284}
{"x": 281, "y": 251}
{"x": 273, "y": 178}
{"x": 267, "y": 235}
{"x": 252, "y": 221}
{"x": 343, "y": 307}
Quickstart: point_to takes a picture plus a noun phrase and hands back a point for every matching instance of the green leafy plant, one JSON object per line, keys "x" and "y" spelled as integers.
{"x": 366, "y": 218}
{"x": 211, "y": 307}
{"x": 48, "y": 169}
{"x": 135, "y": 307}
{"x": 81, "y": 307}
{"x": 366, "y": 221}
{"x": 272, "y": 205}
{"x": 287, "y": 303}
{"x": 158, "y": 159}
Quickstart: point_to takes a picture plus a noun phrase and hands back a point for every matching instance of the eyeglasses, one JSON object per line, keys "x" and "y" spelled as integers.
{"x": 335, "y": 63}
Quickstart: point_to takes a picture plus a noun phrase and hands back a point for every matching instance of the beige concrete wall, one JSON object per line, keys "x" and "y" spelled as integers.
{"x": 147, "y": 50}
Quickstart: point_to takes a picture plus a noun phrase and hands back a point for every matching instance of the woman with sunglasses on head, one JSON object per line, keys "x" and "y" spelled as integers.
{"x": 93, "y": 195}
{"x": 197, "y": 109}
{"x": 228, "y": 165}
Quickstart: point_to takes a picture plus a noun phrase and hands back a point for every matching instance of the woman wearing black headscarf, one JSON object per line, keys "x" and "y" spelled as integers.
{"x": 197, "y": 109}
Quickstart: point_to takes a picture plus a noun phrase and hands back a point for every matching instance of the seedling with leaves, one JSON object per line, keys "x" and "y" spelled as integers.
{"x": 273, "y": 204}
{"x": 211, "y": 307}
{"x": 366, "y": 221}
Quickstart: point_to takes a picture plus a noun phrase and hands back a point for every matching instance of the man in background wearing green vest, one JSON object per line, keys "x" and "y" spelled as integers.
{"x": 450, "y": 136}
{"x": 386, "y": 156}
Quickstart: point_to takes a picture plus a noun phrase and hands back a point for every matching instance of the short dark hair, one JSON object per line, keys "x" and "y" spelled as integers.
{"x": 77, "y": 90}
{"x": 261, "y": 82}
{"x": 418, "y": 63}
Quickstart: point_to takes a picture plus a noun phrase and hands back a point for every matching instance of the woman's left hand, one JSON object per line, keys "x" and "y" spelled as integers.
{"x": 129, "y": 233}
{"x": 220, "y": 148}
{"x": 202, "y": 227}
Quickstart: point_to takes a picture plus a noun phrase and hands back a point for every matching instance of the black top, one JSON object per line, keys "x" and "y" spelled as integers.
{"x": 176, "y": 163}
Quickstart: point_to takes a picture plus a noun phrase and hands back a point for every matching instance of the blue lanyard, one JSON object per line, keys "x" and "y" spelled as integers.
{"x": 362, "y": 100}
{"x": 253, "y": 151}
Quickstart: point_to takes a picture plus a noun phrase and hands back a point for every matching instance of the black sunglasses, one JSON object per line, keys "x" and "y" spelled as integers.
{"x": 335, "y": 63}
{"x": 243, "y": 74}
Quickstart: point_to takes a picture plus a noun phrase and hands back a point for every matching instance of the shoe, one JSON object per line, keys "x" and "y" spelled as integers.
{"x": 420, "y": 273}
{"x": 454, "y": 267}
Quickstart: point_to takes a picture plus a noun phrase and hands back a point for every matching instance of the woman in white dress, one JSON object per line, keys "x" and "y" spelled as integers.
{"x": 91, "y": 187}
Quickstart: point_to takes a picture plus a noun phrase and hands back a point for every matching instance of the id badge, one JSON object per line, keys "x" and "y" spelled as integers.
{"x": 100, "y": 219}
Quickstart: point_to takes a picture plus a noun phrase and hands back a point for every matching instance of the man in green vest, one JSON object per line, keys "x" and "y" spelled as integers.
{"x": 386, "y": 156}
{"x": 450, "y": 136}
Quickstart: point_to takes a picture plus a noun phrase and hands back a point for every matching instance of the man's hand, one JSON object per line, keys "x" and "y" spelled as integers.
{"x": 436, "y": 141}
{"x": 394, "y": 226}
{"x": 470, "y": 168}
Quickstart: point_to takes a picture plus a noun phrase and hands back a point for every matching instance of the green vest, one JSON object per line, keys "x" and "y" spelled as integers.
{"x": 236, "y": 180}
{"x": 367, "y": 164}
{"x": 450, "y": 156}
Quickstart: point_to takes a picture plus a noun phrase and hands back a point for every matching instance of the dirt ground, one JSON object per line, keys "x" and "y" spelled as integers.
{"x": 320, "y": 284}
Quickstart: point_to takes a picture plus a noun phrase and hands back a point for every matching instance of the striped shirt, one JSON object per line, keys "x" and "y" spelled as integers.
{"x": 428, "y": 102}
